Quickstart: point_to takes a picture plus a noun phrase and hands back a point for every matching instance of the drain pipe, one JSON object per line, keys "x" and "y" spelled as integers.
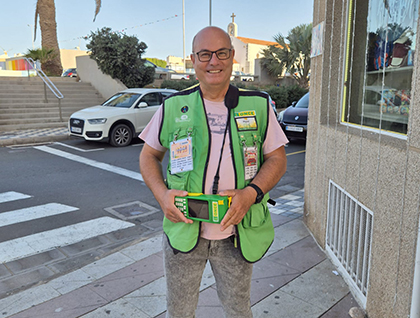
{"x": 415, "y": 299}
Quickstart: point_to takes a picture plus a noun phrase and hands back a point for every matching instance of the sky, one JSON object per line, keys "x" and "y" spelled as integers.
{"x": 157, "y": 23}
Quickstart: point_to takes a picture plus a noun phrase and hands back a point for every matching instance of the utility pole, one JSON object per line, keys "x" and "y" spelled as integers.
{"x": 210, "y": 12}
{"x": 183, "y": 36}
{"x": 32, "y": 33}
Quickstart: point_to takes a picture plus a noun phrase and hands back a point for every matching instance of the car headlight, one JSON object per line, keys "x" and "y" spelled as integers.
{"x": 280, "y": 116}
{"x": 96, "y": 121}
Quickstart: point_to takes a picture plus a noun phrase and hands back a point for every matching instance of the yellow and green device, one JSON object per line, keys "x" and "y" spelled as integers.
{"x": 203, "y": 207}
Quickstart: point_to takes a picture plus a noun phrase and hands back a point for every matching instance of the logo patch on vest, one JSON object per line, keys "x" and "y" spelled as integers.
{"x": 246, "y": 120}
{"x": 182, "y": 119}
{"x": 184, "y": 109}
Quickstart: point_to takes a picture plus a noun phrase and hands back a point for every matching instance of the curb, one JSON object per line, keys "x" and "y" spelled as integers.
{"x": 31, "y": 140}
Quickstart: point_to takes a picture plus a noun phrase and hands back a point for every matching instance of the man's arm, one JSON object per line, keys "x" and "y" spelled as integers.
{"x": 273, "y": 168}
{"x": 151, "y": 170}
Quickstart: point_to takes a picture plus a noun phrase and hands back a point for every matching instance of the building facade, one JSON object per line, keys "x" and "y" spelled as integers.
{"x": 247, "y": 50}
{"x": 362, "y": 175}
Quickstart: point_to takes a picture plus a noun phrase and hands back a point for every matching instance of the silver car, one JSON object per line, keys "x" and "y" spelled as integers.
{"x": 120, "y": 118}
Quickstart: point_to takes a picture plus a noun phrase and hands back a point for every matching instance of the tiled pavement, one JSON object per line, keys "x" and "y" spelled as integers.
{"x": 8, "y": 138}
{"x": 294, "y": 280}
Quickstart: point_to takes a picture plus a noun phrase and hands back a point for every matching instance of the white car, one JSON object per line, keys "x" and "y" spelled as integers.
{"x": 120, "y": 118}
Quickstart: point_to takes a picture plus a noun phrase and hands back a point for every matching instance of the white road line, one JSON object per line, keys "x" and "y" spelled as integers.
{"x": 35, "y": 212}
{"x": 78, "y": 149}
{"x": 12, "y": 196}
{"x": 93, "y": 163}
{"x": 67, "y": 235}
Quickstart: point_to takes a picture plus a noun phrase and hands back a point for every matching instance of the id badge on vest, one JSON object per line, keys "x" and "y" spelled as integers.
{"x": 181, "y": 155}
{"x": 250, "y": 162}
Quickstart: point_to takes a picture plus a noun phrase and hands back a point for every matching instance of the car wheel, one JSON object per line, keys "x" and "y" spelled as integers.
{"x": 120, "y": 136}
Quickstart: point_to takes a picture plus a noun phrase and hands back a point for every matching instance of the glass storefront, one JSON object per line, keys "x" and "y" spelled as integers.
{"x": 379, "y": 65}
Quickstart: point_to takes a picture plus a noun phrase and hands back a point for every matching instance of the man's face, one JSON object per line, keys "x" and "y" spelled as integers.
{"x": 215, "y": 72}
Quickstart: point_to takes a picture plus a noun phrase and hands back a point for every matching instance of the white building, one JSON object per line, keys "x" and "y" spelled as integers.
{"x": 246, "y": 50}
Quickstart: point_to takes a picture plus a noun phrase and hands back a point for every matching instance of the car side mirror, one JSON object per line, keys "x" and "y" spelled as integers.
{"x": 142, "y": 105}
{"x": 294, "y": 103}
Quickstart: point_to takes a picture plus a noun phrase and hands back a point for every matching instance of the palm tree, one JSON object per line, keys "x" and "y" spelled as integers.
{"x": 42, "y": 55}
{"x": 291, "y": 55}
{"x": 45, "y": 9}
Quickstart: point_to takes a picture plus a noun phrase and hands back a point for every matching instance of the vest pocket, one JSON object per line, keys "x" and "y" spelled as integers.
{"x": 256, "y": 216}
{"x": 178, "y": 181}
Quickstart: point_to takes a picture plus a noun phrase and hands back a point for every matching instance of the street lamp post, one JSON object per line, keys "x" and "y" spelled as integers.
{"x": 209, "y": 12}
{"x": 32, "y": 35}
{"x": 183, "y": 36}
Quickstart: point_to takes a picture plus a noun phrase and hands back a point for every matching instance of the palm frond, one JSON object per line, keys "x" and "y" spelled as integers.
{"x": 97, "y": 9}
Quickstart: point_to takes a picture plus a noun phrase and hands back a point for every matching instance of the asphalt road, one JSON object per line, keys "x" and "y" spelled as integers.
{"x": 62, "y": 205}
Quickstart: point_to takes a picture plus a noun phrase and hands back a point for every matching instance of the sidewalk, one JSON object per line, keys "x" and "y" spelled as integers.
{"x": 30, "y": 136}
{"x": 294, "y": 280}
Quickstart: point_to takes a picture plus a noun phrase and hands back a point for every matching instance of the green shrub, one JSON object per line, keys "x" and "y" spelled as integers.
{"x": 279, "y": 95}
{"x": 119, "y": 56}
{"x": 178, "y": 84}
{"x": 283, "y": 96}
{"x": 294, "y": 93}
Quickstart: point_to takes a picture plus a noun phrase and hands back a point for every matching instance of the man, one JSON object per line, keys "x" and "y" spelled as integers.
{"x": 230, "y": 145}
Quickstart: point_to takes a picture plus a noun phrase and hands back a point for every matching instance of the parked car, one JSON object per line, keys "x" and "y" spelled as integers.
{"x": 242, "y": 76}
{"x": 272, "y": 103}
{"x": 294, "y": 119}
{"x": 180, "y": 76}
{"x": 120, "y": 118}
{"x": 70, "y": 72}
{"x": 160, "y": 72}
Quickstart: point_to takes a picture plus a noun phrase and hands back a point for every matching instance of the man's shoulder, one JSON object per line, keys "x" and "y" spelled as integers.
{"x": 185, "y": 92}
{"x": 246, "y": 92}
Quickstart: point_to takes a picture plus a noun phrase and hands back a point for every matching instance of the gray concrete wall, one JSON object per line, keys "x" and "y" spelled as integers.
{"x": 88, "y": 71}
{"x": 382, "y": 172}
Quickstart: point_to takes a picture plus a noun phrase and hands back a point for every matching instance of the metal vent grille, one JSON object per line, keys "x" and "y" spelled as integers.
{"x": 349, "y": 235}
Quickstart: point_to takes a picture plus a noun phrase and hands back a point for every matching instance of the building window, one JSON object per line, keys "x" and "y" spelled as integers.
{"x": 379, "y": 64}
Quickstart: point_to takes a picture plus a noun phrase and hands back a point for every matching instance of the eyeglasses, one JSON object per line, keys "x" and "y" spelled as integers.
{"x": 205, "y": 56}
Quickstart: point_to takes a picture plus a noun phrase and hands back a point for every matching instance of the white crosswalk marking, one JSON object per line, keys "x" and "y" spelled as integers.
{"x": 48, "y": 240}
{"x": 12, "y": 196}
{"x": 92, "y": 163}
{"x": 35, "y": 212}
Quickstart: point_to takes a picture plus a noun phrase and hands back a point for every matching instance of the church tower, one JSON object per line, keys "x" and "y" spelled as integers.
{"x": 233, "y": 27}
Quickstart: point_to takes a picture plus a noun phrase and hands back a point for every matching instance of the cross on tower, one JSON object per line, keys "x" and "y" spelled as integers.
{"x": 233, "y": 17}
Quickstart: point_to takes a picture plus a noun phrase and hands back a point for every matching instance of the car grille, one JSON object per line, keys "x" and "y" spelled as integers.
{"x": 294, "y": 119}
{"x": 76, "y": 126}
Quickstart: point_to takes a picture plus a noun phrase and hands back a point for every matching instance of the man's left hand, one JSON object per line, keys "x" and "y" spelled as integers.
{"x": 241, "y": 203}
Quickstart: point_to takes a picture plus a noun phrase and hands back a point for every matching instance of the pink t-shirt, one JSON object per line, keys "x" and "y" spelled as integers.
{"x": 217, "y": 117}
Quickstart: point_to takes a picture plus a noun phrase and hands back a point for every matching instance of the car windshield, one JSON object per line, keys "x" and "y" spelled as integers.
{"x": 125, "y": 100}
{"x": 303, "y": 102}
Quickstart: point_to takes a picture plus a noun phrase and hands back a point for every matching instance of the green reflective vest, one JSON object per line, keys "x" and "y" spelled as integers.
{"x": 184, "y": 115}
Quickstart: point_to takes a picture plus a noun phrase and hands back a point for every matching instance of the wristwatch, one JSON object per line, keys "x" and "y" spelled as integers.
{"x": 260, "y": 194}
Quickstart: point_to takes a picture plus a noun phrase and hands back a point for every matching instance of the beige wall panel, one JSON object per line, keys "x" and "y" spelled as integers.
{"x": 333, "y": 65}
{"x": 311, "y": 180}
{"x": 387, "y": 230}
{"x": 414, "y": 119}
{"x": 339, "y": 171}
{"x": 408, "y": 238}
{"x": 368, "y": 173}
{"x": 352, "y": 165}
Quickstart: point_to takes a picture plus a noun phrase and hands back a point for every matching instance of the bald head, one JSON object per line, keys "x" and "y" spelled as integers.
{"x": 211, "y": 30}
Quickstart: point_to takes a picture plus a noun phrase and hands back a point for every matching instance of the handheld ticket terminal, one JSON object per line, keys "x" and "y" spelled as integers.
{"x": 203, "y": 207}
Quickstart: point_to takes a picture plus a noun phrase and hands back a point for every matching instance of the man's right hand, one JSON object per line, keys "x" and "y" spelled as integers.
{"x": 167, "y": 203}
{"x": 151, "y": 170}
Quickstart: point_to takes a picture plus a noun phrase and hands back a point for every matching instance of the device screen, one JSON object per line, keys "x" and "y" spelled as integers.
{"x": 198, "y": 209}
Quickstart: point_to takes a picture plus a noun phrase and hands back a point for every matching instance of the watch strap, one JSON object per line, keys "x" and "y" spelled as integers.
{"x": 260, "y": 194}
